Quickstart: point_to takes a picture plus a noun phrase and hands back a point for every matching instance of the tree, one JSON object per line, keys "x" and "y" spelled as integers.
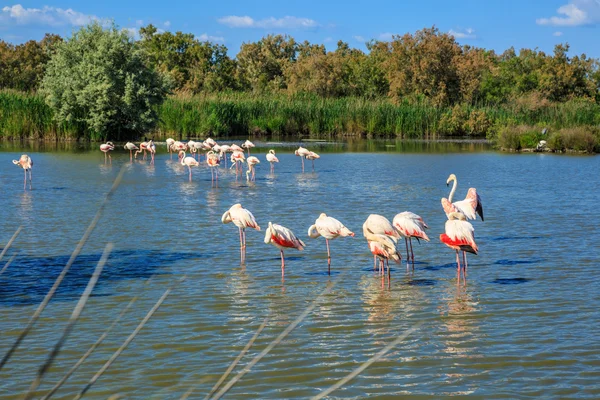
{"x": 97, "y": 78}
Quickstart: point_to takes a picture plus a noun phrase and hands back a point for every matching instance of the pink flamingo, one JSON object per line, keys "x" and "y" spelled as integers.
{"x": 302, "y": 152}
{"x": 243, "y": 219}
{"x": 188, "y": 161}
{"x": 143, "y": 147}
{"x": 213, "y": 161}
{"x": 410, "y": 225}
{"x": 248, "y": 145}
{"x": 252, "y": 161}
{"x": 470, "y": 206}
{"x": 312, "y": 156}
{"x": 237, "y": 158}
{"x": 26, "y": 163}
{"x": 151, "y": 147}
{"x": 271, "y": 158}
{"x": 382, "y": 246}
{"x": 106, "y": 148}
{"x": 130, "y": 146}
{"x": 380, "y": 225}
{"x": 459, "y": 236}
{"x": 282, "y": 238}
{"x": 330, "y": 228}
{"x": 170, "y": 143}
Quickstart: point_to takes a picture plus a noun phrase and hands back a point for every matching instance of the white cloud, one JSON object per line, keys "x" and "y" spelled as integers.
{"x": 167, "y": 24}
{"x": 46, "y": 16}
{"x": 386, "y": 37}
{"x": 287, "y": 22}
{"x": 359, "y": 38}
{"x": 558, "y": 33}
{"x": 575, "y": 13}
{"x": 208, "y": 38}
{"x": 466, "y": 34}
{"x": 328, "y": 39}
{"x": 132, "y": 32}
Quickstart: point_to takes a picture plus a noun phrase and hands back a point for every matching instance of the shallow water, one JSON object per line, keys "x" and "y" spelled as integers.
{"x": 525, "y": 325}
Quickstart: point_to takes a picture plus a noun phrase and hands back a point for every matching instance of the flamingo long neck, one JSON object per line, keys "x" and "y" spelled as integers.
{"x": 452, "y": 191}
{"x": 182, "y": 157}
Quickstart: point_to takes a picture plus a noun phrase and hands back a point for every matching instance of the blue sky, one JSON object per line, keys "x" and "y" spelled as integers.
{"x": 491, "y": 24}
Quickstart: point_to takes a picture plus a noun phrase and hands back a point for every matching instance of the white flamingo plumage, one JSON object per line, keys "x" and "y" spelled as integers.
{"x": 470, "y": 206}
{"x": 312, "y": 156}
{"x": 106, "y": 148}
{"x": 460, "y": 236}
{"x": 130, "y": 146}
{"x": 301, "y": 152}
{"x": 330, "y": 228}
{"x": 251, "y": 173}
{"x": 170, "y": 143}
{"x": 282, "y": 238}
{"x": 248, "y": 145}
{"x": 374, "y": 229}
{"x": 242, "y": 218}
{"x": 213, "y": 161}
{"x": 188, "y": 161}
{"x": 410, "y": 225}
{"x": 26, "y": 163}
{"x": 272, "y": 159}
{"x": 143, "y": 148}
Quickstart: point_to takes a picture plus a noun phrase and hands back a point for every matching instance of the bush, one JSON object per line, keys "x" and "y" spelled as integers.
{"x": 519, "y": 137}
{"x": 577, "y": 139}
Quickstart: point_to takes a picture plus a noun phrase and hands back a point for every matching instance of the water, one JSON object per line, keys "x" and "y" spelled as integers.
{"x": 525, "y": 325}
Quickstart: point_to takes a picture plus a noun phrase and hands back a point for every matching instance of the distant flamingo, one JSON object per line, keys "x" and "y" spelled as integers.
{"x": 302, "y": 152}
{"x": 330, "y": 228}
{"x": 105, "y": 148}
{"x": 170, "y": 143}
{"x": 312, "y": 156}
{"x": 243, "y": 219}
{"x": 382, "y": 246}
{"x": 237, "y": 159}
{"x": 26, "y": 163}
{"x": 130, "y": 146}
{"x": 188, "y": 161}
{"x": 151, "y": 147}
{"x": 210, "y": 142}
{"x": 470, "y": 206}
{"x": 410, "y": 225}
{"x": 282, "y": 238}
{"x": 251, "y": 173}
{"x": 380, "y": 225}
{"x": 271, "y": 158}
{"x": 248, "y": 145}
{"x": 459, "y": 236}
{"x": 224, "y": 148}
{"x": 212, "y": 160}
{"x": 143, "y": 147}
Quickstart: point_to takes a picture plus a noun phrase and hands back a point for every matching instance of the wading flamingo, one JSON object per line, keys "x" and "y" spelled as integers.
{"x": 143, "y": 147}
{"x": 459, "y": 236}
{"x": 237, "y": 159}
{"x": 330, "y": 228}
{"x": 151, "y": 147}
{"x": 211, "y": 142}
{"x": 26, "y": 163}
{"x": 248, "y": 145}
{"x": 282, "y": 238}
{"x": 410, "y": 225}
{"x": 243, "y": 219}
{"x": 302, "y": 152}
{"x": 106, "y": 148}
{"x": 470, "y": 206}
{"x": 251, "y": 173}
{"x": 170, "y": 143}
{"x": 312, "y": 156}
{"x": 271, "y": 158}
{"x": 213, "y": 161}
{"x": 130, "y": 146}
{"x": 382, "y": 246}
{"x": 188, "y": 161}
{"x": 380, "y": 225}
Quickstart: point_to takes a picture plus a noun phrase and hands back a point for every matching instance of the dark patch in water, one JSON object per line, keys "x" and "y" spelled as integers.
{"x": 439, "y": 267}
{"x": 517, "y": 262}
{"x": 510, "y": 281}
{"x": 517, "y": 238}
{"x": 28, "y": 279}
{"x": 420, "y": 282}
{"x": 324, "y": 272}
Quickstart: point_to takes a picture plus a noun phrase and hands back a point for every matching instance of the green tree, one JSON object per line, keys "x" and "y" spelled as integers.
{"x": 97, "y": 78}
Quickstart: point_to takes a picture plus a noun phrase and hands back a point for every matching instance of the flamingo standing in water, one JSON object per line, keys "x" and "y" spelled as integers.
{"x": 381, "y": 245}
{"x": 459, "y": 236}
{"x": 379, "y": 225}
{"x": 188, "y": 161}
{"x": 312, "y": 156}
{"x": 213, "y": 161}
{"x": 143, "y": 147}
{"x": 248, "y": 145}
{"x": 243, "y": 219}
{"x": 271, "y": 158}
{"x": 302, "y": 152}
{"x": 282, "y": 238}
{"x": 237, "y": 159}
{"x": 105, "y": 148}
{"x": 26, "y": 163}
{"x": 410, "y": 225}
{"x": 470, "y": 206}
{"x": 251, "y": 173}
{"x": 130, "y": 146}
{"x": 330, "y": 228}
{"x": 170, "y": 143}
{"x": 151, "y": 147}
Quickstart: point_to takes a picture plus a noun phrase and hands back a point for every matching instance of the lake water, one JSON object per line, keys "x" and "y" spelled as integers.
{"x": 526, "y": 325}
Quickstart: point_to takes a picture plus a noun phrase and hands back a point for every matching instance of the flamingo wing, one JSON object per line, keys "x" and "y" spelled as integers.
{"x": 410, "y": 225}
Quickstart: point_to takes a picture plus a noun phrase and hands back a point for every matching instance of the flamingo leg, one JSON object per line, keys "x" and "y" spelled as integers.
{"x": 374, "y": 262}
{"x": 241, "y": 247}
{"x": 465, "y": 265}
{"x": 458, "y": 267}
{"x": 412, "y": 255}
{"x": 328, "y": 257}
{"x": 190, "y": 169}
{"x": 244, "y": 237}
{"x": 30, "y": 179}
{"x": 313, "y": 163}
{"x": 302, "y": 159}
{"x": 25, "y": 179}
{"x": 130, "y": 156}
{"x": 109, "y": 158}
{"x": 282, "y": 264}
{"x": 407, "y": 256}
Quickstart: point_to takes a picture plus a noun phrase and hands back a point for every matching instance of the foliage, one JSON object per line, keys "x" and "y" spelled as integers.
{"x": 98, "y": 79}
{"x": 583, "y": 138}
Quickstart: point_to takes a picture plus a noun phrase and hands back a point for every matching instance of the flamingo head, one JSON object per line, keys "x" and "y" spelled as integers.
{"x": 451, "y": 178}
{"x": 268, "y": 233}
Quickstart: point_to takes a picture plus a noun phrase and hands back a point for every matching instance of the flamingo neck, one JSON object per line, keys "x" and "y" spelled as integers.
{"x": 452, "y": 191}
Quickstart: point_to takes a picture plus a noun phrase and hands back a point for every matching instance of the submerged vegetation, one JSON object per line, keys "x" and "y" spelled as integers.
{"x": 414, "y": 86}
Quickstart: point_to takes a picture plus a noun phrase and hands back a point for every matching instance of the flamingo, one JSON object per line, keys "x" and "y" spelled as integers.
{"x": 224, "y": 148}
{"x": 282, "y": 238}
{"x": 170, "y": 143}
{"x": 188, "y": 161}
{"x": 130, "y": 146}
{"x": 212, "y": 160}
{"x": 302, "y": 152}
{"x": 26, "y": 163}
{"x": 243, "y": 219}
{"x": 459, "y": 236}
{"x": 105, "y": 148}
{"x": 379, "y": 225}
{"x": 271, "y": 158}
{"x": 237, "y": 158}
{"x": 143, "y": 147}
{"x": 470, "y": 206}
{"x": 252, "y": 161}
{"x": 210, "y": 142}
{"x": 151, "y": 147}
{"x": 312, "y": 156}
{"x": 410, "y": 225}
{"x": 248, "y": 145}
{"x": 381, "y": 245}
{"x": 330, "y": 228}
{"x": 235, "y": 147}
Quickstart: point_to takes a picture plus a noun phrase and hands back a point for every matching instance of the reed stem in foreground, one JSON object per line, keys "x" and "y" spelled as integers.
{"x": 10, "y": 242}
